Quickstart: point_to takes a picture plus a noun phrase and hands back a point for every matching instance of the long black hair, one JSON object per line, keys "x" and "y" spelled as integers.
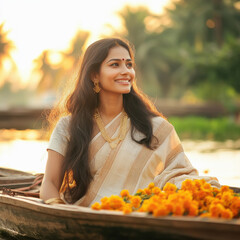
{"x": 81, "y": 105}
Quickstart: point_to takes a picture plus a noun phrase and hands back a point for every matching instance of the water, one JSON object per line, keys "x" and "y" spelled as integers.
{"x": 26, "y": 151}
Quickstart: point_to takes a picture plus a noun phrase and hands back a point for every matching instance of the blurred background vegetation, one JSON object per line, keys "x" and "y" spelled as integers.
{"x": 189, "y": 54}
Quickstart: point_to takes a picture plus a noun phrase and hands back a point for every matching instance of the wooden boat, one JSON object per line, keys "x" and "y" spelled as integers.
{"x": 11, "y": 178}
{"x": 24, "y": 217}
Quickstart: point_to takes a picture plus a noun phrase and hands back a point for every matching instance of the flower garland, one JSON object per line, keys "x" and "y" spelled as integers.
{"x": 195, "y": 198}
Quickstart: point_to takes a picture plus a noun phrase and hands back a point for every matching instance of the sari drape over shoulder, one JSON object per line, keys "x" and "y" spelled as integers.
{"x": 131, "y": 165}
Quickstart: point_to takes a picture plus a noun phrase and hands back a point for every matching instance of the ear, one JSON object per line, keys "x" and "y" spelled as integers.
{"x": 94, "y": 77}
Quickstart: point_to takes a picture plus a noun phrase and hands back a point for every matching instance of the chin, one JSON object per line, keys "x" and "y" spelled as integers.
{"x": 126, "y": 91}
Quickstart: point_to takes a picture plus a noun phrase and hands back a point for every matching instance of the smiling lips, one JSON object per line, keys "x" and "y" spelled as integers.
{"x": 123, "y": 81}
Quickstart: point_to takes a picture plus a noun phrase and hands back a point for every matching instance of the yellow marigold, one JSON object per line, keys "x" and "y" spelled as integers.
{"x": 215, "y": 210}
{"x": 156, "y": 190}
{"x": 116, "y": 202}
{"x": 235, "y": 206}
{"x": 96, "y": 206}
{"x": 193, "y": 209}
{"x": 127, "y": 208}
{"x": 208, "y": 200}
{"x": 104, "y": 199}
{"x": 147, "y": 191}
{"x": 169, "y": 187}
{"x": 226, "y": 189}
{"x": 227, "y": 214}
{"x": 105, "y": 203}
{"x": 200, "y": 195}
{"x": 198, "y": 183}
{"x": 207, "y": 187}
{"x": 227, "y": 198}
{"x": 188, "y": 184}
{"x": 135, "y": 201}
{"x": 161, "y": 211}
{"x": 215, "y": 191}
{"x": 124, "y": 193}
{"x": 151, "y": 185}
{"x": 140, "y": 191}
{"x": 151, "y": 206}
{"x": 178, "y": 209}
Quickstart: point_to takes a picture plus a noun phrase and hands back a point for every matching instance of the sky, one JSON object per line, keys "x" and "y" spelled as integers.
{"x": 36, "y": 25}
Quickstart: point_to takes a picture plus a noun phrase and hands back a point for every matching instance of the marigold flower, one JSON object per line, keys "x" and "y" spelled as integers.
{"x": 207, "y": 187}
{"x": 105, "y": 203}
{"x": 147, "y": 191}
{"x": 193, "y": 210}
{"x": 227, "y": 198}
{"x": 195, "y": 198}
{"x": 135, "y": 201}
{"x": 169, "y": 187}
{"x": 156, "y": 190}
{"x": 116, "y": 202}
{"x": 96, "y": 206}
{"x": 215, "y": 210}
{"x": 140, "y": 191}
{"x": 226, "y": 189}
{"x": 161, "y": 211}
{"x": 235, "y": 206}
{"x": 227, "y": 214}
{"x": 127, "y": 208}
{"x": 178, "y": 209}
{"x": 151, "y": 185}
{"x": 188, "y": 185}
{"x": 124, "y": 193}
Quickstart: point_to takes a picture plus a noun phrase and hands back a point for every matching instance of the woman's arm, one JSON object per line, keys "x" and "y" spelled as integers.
{"x": 53, "y": 176}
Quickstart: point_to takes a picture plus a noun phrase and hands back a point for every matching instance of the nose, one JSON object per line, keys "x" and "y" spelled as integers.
{"x": 124, "y": 69}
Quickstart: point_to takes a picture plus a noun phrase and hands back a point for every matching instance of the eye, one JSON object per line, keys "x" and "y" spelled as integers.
{"x": 114, "y": 64}
{"x": 129, "y": 65}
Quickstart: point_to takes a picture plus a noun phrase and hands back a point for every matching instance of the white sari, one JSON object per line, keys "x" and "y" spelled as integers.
{"x": 131, "y": 165}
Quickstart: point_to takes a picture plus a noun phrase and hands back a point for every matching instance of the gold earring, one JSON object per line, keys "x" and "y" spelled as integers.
{"x": 96, "y": 88}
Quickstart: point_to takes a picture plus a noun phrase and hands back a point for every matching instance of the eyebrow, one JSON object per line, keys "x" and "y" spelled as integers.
{"x": 118, "y": 59}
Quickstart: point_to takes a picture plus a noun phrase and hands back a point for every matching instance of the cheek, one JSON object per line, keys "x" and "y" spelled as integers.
{"x": 133, "y": 74}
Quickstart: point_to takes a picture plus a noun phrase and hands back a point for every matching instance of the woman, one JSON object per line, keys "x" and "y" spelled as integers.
{"x": 113, "y": 137}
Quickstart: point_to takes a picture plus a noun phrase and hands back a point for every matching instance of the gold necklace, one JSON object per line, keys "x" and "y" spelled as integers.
{"x": 113, "y": 142}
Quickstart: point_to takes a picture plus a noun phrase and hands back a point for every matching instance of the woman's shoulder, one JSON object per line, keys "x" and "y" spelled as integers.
{"x": 158, "y": 120}
{"x": 63, "y": 122}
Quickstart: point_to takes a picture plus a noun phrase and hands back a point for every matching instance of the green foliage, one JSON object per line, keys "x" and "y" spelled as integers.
{"x": 200, "y": 128}
{"x": 194, "y": 43}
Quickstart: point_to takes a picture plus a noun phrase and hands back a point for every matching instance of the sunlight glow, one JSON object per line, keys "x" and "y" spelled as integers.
{"x": 41, "y": 24}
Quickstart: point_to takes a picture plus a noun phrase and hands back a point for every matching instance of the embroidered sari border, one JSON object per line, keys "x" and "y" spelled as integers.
{"x": 161, "y": 133}
{"x": 96, "y": 185}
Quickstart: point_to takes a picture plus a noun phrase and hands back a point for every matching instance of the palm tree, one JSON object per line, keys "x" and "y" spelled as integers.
{"x": 6, "y": 45}
{"x": 54, "y": 75}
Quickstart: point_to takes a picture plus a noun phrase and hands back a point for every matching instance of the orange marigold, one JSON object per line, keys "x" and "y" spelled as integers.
{"x": 156, "y": 190}
{"x": 169, "y": 187}
{"x": 96, "y": 206}
{"x": 125, "y": 193}
{"x": 161, "y": 211}
{"x": 135, "y": 201}
{"x": 235, "y": 206}
{"x": 215, "y": 210}
{"x": 227, "y": 214}
{"x": 116, "y": 202}
{"x": 188, "y": 184}
{"x": 151, "y": 185}
{"x": 127, "y": 208}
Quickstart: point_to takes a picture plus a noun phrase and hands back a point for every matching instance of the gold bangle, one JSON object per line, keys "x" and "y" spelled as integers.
{"x": 52, "y": 201}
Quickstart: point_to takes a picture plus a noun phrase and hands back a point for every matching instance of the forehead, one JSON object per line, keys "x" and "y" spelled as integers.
{"x": 118, "y": 52}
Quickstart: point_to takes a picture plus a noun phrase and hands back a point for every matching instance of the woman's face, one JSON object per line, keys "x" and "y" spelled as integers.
{"x": 116, "y": 73}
